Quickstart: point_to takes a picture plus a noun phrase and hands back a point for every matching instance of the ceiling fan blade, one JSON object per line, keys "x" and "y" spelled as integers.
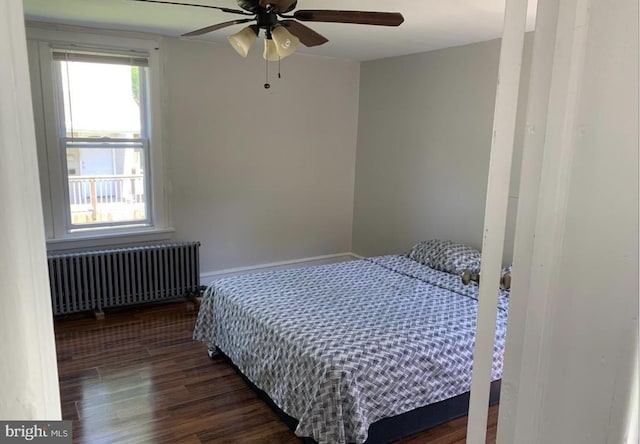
{"x": 215, "y": 27}
{"x": 232, "y": 11}
{"x": 280, "y": 5}
{"x": 358, "y": 17}
{"x": 307, "y": 36}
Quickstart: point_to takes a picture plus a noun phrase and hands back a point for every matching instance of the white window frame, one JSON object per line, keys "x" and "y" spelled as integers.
{"x": 60, "y": 233}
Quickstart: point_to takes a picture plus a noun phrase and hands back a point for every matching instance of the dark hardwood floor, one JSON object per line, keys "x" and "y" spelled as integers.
{"x": 138, "y": 377}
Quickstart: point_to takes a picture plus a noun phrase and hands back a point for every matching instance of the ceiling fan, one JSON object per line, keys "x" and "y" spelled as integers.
{"x": 284, "y": 33}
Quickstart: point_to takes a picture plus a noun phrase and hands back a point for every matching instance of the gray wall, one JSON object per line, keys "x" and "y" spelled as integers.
{"x": 424, "y": 138}
{"x": 260, "y": 176}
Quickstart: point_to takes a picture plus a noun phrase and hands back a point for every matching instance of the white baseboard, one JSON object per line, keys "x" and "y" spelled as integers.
{"x": 207, "y": 277}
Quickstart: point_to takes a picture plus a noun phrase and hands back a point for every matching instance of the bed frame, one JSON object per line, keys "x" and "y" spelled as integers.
{"x": 388, "y": 430}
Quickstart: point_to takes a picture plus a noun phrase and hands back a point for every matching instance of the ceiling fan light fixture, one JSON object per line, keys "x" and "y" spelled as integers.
{"x": 242, "y": 41}
{"x": 286, "y": 43}
{"x": 270, "y": 51}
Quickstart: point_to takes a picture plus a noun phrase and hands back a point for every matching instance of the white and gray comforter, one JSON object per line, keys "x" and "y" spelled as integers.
{"x": 341, "y": 346}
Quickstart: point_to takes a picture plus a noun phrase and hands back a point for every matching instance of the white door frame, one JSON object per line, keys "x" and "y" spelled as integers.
{"x": 556, "y": 79}
{"x": 495, "y": 219}
{"x": 549, "y": 199}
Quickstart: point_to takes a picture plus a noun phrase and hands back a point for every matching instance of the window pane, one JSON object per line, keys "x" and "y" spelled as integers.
{"x": 106, "y": 185}
{"x": 101, "y": 100}
{"x": 106, "y": 177}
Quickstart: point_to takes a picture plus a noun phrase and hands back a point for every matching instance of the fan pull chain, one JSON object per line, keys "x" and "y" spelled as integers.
{"x": 279, "y": 76}
{"x": 266, "y": 85}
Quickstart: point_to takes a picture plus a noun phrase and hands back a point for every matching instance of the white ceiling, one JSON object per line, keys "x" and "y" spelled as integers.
{"x": 429, "y": 24}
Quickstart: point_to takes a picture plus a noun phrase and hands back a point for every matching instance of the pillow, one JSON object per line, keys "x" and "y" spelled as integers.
{"x": 445, "y": 255}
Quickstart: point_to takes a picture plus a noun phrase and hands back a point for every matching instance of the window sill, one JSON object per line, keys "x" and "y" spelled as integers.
{"x": 82, "y": 241}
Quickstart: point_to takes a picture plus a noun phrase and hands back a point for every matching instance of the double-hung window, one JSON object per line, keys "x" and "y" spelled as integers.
{"x": 102, "y": 104}
{"x": 98, "y": 129}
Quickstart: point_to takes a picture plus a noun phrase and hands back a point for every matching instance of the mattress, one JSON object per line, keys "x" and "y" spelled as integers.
{"x": 341, "y": 346}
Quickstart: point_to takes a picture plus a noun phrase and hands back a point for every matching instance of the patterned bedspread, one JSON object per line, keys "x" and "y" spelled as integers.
{"x": 341, "y": 346}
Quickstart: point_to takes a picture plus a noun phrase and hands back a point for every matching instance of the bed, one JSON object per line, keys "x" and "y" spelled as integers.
{"x": 341, "y": 347}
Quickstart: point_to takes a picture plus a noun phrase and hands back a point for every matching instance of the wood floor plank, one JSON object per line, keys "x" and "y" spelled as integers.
{"x": 138, "y": 377}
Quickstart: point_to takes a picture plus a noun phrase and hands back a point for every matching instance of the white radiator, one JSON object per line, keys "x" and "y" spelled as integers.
{"x": 93, "y": 280}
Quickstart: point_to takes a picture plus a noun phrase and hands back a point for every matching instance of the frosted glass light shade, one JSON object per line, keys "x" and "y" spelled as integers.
{"x": 242, "y": 41}
{"x": 270, "y": 51}
{"x": 286, "y": 43}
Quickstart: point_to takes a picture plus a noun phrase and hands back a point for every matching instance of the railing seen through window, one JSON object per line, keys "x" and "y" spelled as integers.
{"x": 108, "y": 198}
